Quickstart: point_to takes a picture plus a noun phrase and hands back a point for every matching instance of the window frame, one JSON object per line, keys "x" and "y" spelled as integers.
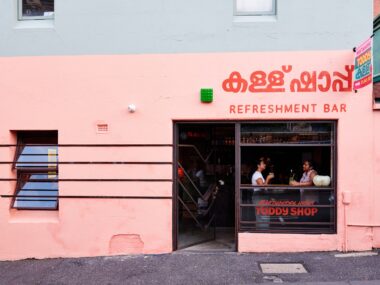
{"x": 244, "y": 14}
{"x": 376, "y": 99}
{"x": 47, "y": 135}
{"x": 332, "y": 188}
{"x": 376, "y": 77}
{"x": 19, "y": 189}
{"x": 21, "y": 17}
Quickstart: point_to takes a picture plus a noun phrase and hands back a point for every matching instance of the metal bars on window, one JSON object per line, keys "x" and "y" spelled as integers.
{"x": 280, "y": 207}
{"x": 33, "y": 168}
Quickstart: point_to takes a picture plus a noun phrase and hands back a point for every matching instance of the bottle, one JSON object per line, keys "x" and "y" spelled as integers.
{"x": 291, "y": 176}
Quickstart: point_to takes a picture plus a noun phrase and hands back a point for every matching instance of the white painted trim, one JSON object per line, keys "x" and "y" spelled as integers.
{"x": 35, "y": 24}
{"x": 255, "y": 19}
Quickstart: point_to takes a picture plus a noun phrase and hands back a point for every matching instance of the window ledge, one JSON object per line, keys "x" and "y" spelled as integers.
{"x": 255, "y": 19}
{"x": 33, "y": 217}
{"x": 376, "y": 106}
{"x": 34, "y": 24}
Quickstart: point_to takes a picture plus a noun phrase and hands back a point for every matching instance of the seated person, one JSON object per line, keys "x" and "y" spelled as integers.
{"x": 308, "y": 175}
{"x": 257, "y": 177}
{"x": 262, "y": 221}
{"x": 307, "y": 180}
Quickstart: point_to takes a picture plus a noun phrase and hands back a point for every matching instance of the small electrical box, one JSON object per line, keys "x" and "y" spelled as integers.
{"x": 207, "y": 95}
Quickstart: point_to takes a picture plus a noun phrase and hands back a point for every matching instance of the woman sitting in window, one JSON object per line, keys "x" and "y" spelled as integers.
{"x": 307, "y": 180}
{"x": 308, "y": 175}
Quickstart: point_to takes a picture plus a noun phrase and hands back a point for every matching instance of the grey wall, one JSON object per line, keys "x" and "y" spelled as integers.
{"x": 167, "y": 26}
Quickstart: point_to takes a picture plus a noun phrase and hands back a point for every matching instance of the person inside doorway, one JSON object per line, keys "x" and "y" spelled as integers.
{"x": 200, "y": 176}
{"x": 259, "y": 194}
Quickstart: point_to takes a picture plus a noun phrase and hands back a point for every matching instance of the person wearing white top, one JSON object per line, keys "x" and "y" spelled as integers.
{"x": 258, "y": 180}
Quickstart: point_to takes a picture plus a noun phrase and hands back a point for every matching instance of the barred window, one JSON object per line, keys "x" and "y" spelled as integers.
{"x": 297, "y": 162}
{"x": 36, "y": 163}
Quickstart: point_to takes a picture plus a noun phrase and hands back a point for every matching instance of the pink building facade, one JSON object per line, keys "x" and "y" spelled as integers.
{"x": 110, "y": 128}
{"x": 165, "y": 89}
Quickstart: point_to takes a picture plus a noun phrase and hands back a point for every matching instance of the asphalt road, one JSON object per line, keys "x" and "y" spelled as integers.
{"x": 192, "y": 268}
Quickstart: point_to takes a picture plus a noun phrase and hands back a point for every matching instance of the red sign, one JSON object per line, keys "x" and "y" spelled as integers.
{"x": 303, "y": 208}
{"x": 363, "y": 65}
{"x": 275, "y": 81}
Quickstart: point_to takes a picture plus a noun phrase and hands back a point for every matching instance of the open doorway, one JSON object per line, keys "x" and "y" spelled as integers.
{"x": 205, "y": 186}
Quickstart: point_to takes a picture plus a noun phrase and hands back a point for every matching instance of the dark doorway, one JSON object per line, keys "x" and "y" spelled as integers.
{"x": 205, "y": 186}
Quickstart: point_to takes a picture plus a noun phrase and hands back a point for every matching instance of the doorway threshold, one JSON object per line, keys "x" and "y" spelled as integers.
{"x": 224, "y": 242}
{"x": 210, "y": 246}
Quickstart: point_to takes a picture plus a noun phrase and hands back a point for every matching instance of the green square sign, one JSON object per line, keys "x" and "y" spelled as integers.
{"x": 207, "y": 95}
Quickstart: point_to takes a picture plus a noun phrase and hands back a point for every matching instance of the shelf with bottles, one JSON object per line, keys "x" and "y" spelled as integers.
{"x": 226, "y": 141}
{"x": 287, "y": 133}
{"x": 285, "y": 138}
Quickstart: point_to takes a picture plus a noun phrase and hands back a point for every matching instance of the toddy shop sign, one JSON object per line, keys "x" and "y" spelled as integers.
{"x": 283, "y": 80}
{"x": 286, "y": 208}
{"x": 363, "y": 64}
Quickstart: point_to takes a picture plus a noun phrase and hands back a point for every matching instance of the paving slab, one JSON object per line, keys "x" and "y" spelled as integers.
{"x": 282, "y": 268}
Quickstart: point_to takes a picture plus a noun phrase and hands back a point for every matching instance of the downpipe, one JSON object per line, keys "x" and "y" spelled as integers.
{"x": 346, "y": 201}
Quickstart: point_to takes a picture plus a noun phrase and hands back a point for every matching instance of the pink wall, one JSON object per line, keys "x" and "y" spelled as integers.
{"x": 73, "y": 93}
{"x": 376, "y": 9}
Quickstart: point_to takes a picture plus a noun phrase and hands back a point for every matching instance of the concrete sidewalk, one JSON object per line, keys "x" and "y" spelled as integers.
{"x": 193, "y": 268}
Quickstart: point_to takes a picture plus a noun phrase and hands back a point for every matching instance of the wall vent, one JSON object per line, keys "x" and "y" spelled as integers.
{"x": 102, "y": 128}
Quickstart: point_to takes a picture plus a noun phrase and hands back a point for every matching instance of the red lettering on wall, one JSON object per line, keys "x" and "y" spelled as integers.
{"x": 235, "y": 83}
{"x": 284, "y": 208}
{"x": 286, "y": 108}
{"x": 275, "y": 81}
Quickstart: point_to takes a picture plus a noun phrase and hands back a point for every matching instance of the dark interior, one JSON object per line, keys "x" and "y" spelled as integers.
{"x": 283, "y": 161}
{"x": 206, "y": 180}
{"x": 206, "y": 157}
